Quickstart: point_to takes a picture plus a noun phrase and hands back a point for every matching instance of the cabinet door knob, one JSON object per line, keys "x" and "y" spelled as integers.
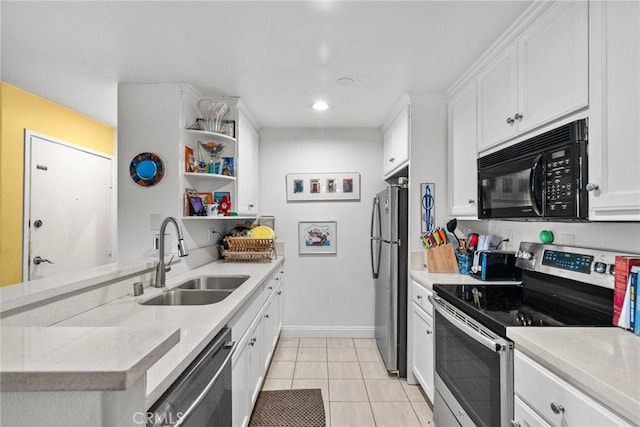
{"x": 279, "y": 292}
{"x": 266, "y": 316}
{"x": 514, "y": 423}
{"x": 419, "y": 296}
{"x": 518, "y": 117}
{"x": 557, "y": 408}
{"x": 429, "y": 332}
{"x": 592, "y": 186}
{"x": 471, "y": 201}
{"x": 391, "y": 160}
{"x": 510, "y": 120}
{"x": 270, "y": 288}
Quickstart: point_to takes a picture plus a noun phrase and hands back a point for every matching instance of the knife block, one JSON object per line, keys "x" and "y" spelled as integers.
{"x": 440, "y": 259}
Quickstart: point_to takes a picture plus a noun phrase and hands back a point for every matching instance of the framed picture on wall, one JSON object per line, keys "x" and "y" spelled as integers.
{"x": 317, "y": 237}
{"x": 305, "y": 187}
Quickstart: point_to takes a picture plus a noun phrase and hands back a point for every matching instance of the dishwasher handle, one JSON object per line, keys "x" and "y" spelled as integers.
{"x": 231, "y": 346}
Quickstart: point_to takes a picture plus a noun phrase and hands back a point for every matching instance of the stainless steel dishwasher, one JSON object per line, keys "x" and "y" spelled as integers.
{"x": 201, "y": 396}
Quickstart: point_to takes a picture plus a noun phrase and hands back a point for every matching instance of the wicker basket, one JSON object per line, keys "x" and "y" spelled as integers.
{"x": 249, "y": 249}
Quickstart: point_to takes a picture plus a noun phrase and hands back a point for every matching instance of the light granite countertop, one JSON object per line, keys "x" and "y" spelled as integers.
{"x": 602, "y": 362}
{"x": 80, "y": 358}
{"x": 198, "y": 325}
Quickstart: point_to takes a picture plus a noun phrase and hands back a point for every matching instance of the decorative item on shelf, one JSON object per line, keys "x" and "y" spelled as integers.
{"x": 224, "y": 205}
{"x": 214, "y": 149}
{"x": 323, "y": 186}
{"x": 212, "y": 113}
{"x": 317, "y": 237}
{"x": 228, "y": 128}
{"x": 146, "y": 169}
{"x": 189, "y": 159}
{"x": 196, "y": 125}
{"x": 228, "y": 166}
{"x": 187, "y": 208}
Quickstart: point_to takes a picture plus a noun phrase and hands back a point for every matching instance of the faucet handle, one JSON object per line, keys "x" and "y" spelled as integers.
{"x": 168, "y": 265}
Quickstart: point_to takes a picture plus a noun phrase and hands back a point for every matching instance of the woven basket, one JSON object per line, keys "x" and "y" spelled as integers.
{"x": 249, "y": 249}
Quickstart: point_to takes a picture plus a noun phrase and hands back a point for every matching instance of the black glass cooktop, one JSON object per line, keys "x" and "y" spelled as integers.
{"x": 540, "y": 301}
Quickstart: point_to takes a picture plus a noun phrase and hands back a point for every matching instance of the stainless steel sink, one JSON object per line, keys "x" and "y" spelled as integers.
{"x": 188, "y": 297}
{"x": 227, "y": 283}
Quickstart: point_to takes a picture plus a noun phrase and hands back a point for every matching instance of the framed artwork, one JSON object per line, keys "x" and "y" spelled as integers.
{"x": 323, "y": 186}
{"x": 317, "y": 237}
{"x": 218, "y": 195}
{"x": 427, "y": 210}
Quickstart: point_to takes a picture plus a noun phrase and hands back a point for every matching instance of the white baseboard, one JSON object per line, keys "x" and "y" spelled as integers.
{"x": 328, "y": 331}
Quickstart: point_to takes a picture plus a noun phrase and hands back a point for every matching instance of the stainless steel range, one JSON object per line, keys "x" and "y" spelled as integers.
{"x": 561, "y": 286}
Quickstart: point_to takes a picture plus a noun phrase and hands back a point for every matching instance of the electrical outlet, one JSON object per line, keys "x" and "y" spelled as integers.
{"x": 566, "y": 239}
{"x": 508, "y": 234}
{"x": 155, "y": 244}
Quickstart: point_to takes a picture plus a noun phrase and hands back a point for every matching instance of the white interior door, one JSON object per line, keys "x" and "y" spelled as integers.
{"x": 68, "y": 208}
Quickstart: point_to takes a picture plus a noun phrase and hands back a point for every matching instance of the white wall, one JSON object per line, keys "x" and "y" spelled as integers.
{"x": 326, "y": 295}
{"x": 616, "y": 236}
{"x": 428, "y": 160}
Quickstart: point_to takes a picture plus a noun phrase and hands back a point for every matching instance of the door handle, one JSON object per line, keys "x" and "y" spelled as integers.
{"x": 532, "y": 186}
{"x": 39, "y": 260}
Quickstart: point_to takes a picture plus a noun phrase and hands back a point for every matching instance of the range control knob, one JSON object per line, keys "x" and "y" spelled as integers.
{"x": 600, "y": 267}
{"x": 524, "y": 255}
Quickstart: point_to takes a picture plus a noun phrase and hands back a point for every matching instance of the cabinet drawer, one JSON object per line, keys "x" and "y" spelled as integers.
{"x": 420, "y": 295}
{"x": 555, "y": 400}
{"x": 525, "y": 416}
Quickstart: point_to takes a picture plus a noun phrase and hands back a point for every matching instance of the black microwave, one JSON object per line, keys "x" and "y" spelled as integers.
{"x": 542, "y": 177}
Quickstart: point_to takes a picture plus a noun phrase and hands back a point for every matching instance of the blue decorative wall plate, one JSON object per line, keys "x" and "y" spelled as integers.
{"x": 146, "y": 169}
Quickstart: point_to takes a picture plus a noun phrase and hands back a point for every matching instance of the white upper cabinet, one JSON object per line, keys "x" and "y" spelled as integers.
{"x": 248, "y": 173}
{"x": 462, "y": 153}
{"x": 539, "y": 77}
{"x": 498, "y": 99}
{"x": 614, "y": 125}
{"x": 396, "y": 139}
{"x": 554, "y": 65}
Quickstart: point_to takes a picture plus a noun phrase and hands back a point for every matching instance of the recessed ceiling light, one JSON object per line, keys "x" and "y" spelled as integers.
{"x": 320, "y": 106}
{"x": 345, "y": 81}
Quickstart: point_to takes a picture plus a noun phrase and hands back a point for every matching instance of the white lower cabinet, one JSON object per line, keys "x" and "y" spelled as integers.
{"x": 260, "y": 323}
{"x": 542, "y": 398}
{"x": 422, "y": 348}
{"x": 524, "y": 416}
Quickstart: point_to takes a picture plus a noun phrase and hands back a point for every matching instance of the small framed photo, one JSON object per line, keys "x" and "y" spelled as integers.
{"x": 323, "y": 186}
{"x": 317, "y": 237}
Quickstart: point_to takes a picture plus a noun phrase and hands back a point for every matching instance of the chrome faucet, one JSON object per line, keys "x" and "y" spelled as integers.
{"x": 162, "y": 268}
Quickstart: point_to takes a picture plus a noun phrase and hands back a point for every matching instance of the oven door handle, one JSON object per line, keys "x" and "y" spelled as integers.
{"x": 472, "y": 333}
{"x": 231, "y": 347}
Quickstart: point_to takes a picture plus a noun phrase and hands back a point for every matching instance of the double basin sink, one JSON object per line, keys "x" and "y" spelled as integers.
{"x": 201, "y": 290}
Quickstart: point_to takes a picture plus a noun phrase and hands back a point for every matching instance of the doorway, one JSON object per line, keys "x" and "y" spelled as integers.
{"x": 68, "y": 208}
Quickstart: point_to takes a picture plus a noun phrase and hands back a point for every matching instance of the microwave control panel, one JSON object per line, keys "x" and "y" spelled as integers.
{"x": 559, "y": 183}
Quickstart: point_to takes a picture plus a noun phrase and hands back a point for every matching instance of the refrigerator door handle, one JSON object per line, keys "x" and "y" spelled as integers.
{"x": 375, "y": 214}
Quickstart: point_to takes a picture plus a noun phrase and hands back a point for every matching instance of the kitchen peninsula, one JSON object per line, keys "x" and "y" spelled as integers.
{"x": 77, "y": 369}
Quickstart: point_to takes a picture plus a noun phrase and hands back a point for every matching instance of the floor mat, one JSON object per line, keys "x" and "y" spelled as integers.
{"x": 289, "y": 408}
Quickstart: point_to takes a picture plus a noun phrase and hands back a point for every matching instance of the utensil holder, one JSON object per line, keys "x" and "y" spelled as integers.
{"x": 440, "y": 259}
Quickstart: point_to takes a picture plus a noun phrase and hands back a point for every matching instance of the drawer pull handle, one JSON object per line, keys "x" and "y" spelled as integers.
{"x": 270, "y": 287}
{"x": 419, "y": 297}
{"x": 279, "y": 292}
{"x": 557, "y": 408}
{"x": 429, "y": 332}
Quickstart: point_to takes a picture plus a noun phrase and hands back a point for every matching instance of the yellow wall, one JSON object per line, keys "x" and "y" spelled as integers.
{"x": 20, "y": 110}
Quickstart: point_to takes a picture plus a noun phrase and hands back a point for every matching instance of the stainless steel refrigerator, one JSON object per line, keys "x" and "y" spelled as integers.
{"x": 389, "y": 267}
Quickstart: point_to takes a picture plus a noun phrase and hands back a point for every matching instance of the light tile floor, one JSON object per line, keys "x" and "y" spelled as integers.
{"x": 356, "y": 388}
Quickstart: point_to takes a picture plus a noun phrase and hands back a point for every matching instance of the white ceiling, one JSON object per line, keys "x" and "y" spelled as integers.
{"x": 278, "y": 56}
